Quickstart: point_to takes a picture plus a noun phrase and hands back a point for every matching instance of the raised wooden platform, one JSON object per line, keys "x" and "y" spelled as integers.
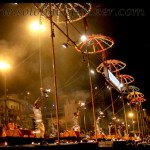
{"x": 21, "y": 143}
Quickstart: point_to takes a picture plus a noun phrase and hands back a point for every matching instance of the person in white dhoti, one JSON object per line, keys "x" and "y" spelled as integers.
{"x": 97, "y": 125}
{"x": 76, "y": 126}
{"x": 40, "y": 128}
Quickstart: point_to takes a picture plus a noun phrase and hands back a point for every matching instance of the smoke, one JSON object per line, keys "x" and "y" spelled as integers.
{"x": 12, "y": 52}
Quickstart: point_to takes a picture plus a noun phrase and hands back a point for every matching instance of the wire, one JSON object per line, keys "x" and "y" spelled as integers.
{"x": 40, "y": 57}
{"x": 110, "y": 105}
{"x": 70, "y": 80}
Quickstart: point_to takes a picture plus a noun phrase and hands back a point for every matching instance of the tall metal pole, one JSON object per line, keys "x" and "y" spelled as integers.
{"x": 54, "y": 74}
{"x": 84, "y": 121}
{"x": 113, "y": 110}
{"x": 141, "y": 119}
{"x": 132, "y": 120}
{"x": 5, "y": 99}
{"x": 4, "y": 66}
{"x": 92, "y": 96}
{"x": 137, "y": 117}
{"x": 125, "y": 116}
{"x": 146, "y": 122}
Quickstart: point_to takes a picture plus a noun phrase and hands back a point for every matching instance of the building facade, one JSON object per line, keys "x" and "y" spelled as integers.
{"x": 15, "y": 110}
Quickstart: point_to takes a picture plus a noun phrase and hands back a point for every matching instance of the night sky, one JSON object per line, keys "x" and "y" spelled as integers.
{"x": 126, "y": 24}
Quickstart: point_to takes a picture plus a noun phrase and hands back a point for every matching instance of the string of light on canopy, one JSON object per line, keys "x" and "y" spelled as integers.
{"x": 138, "y": 99}
{"x": 129, "y": 89}
{"x": 95, "y": 44}
{"x": 134, "y": 95}
{"x": 126, "y": 79}
{"x": 113, "y": 65}
{"x": 65, "y": 11}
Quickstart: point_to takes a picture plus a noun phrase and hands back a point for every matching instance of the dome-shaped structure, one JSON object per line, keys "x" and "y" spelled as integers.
{"x": 126, "y": 79}
{"x": 138, "y": 99}
{"x": 113, "y": 65}
{"x": 135, "y": 95}
{"x": 129, "y": 88}
{"x": 95, "y": 44}
{"x": 64, "y": 12}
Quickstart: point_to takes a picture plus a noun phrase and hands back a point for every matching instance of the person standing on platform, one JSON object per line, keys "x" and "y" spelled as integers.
{"x": 40, "y": 128}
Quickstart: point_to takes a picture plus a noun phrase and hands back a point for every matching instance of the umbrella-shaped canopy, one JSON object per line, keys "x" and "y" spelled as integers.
{"x": 126, "y": 79}
{"x": 138, "y": 99}
{"x": 113, "y": 65}
{"x": 135, "y": 96}
{"x": 64, "y": 12}
{"x": 129, "y": 88}
{"x": 95, "y": 44}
